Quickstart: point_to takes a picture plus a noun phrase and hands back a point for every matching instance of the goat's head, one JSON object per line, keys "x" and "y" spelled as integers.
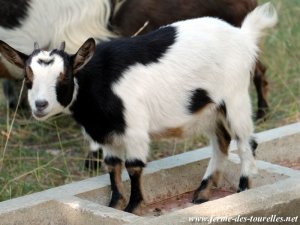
{"x": 49, "y": 75}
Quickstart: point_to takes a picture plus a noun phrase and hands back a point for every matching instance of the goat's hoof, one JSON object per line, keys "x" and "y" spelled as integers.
{"x": 119, "y": 204}
{"x": 199, "y": 201}
{"x": 244, "y": 184}
{"x": 241, "y": 189}
{"x": 200, "y": 197}
{"x": 139, "y": 209}
{"x": 93, "y": 160}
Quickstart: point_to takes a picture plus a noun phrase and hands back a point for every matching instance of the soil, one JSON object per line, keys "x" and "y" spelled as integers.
{"x": 293, "y": 165}
{"x": 182, "y": 201}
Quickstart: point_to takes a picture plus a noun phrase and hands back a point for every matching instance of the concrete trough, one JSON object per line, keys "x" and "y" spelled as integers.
{"x": 276, "y": 190}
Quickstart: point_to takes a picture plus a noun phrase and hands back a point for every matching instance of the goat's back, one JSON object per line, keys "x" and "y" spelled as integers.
{"x": 207, "y": 54}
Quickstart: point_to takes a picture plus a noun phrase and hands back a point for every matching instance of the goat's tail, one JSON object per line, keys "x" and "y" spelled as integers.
{"x": 261, "y": 18}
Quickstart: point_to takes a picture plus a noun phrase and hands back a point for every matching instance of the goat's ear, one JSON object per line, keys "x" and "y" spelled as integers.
{"x": 84, "y": 54}
{"x": 13, "y": 56}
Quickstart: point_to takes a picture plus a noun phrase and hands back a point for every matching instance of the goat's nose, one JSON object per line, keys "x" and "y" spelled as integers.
{"x": 41, "y": 104}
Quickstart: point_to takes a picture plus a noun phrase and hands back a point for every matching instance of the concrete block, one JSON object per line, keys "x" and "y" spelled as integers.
{"x": 276, "y": 190}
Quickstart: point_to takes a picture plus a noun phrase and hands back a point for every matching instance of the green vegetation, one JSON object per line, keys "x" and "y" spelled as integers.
{"x": 44, "y": 155}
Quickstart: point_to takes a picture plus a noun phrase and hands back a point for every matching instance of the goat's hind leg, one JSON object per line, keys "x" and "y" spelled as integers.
{"x": 242, "y": 129}
{"x": 246, "y": 150}
{"x": 220, "y": 141}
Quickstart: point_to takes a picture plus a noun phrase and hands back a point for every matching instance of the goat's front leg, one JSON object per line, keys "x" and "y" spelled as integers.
{"x": 135, "y": 170}
{"x": 136, "y": 158}
{"x": 114, "y": 165}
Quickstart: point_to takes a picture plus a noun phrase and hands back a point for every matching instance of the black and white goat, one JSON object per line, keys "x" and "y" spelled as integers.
{"x": 191, "y": 76}
{"x": 75, "y": 20}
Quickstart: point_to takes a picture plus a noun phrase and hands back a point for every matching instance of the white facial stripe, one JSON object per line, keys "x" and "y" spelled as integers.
{"x": 46, "y": 69}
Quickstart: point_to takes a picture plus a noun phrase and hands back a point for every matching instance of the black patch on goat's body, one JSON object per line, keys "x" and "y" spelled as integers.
{"x": 222, "y": 109}
{"x": 97, "y": 108}
{"x": 134, "y": 163}
{"x": 13, "y": 12}
{"x": 199, "y": 100}
{"x": 65, "y": 89}
{"x": 112, "y": 160}
{"x": 253, "y": 145}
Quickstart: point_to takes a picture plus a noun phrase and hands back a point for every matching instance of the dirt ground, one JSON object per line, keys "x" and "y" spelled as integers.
{"x": 293, "y": 165}
{"x": 183, "y": 201}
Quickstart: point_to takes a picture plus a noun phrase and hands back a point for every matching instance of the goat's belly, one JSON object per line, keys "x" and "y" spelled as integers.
{"x": 199, "y": 123}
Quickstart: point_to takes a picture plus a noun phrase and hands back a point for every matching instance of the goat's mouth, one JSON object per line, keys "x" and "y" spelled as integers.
{"x": 40, "y": 115}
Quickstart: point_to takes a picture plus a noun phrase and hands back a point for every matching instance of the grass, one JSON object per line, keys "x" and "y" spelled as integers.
{"x": 44, "y": 155}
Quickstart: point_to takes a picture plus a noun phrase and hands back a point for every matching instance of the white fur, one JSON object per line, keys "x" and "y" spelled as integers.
{"x": 218, "y": 159}
{"x": 44, "y": 83}
{"x": 254, "y": 23}
{"x": 45, "y": 78}
{"x": 198, "y": 59}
